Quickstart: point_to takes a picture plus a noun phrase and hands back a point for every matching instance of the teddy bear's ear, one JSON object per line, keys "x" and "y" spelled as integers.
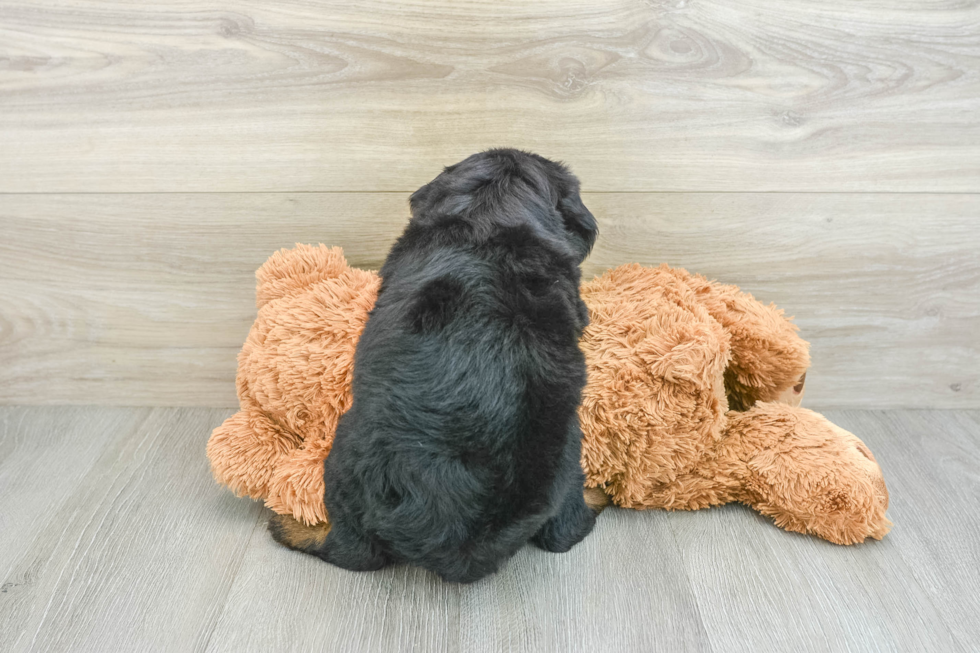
{"x": 290, "y": 270}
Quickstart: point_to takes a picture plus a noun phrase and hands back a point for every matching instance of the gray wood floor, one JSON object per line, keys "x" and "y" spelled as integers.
{"x": 113, "y": 537}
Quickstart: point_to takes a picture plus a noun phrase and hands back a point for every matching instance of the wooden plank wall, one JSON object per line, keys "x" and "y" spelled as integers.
{"x": 824, "y": 155}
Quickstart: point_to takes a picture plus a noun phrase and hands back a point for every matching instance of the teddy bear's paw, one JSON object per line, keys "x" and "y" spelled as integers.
{"x": 842, "y": 515}
{"x": 856, "y": 510}
{"x": 845, "y": 507}
{"x": 244, "y": 450}
{"x": 812, "y": 476}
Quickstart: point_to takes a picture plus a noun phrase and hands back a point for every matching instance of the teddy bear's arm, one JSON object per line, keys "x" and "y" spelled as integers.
{"x": 768, "y": 357}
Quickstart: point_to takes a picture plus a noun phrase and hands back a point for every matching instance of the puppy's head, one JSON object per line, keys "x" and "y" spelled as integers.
{"x": 506, "y": 187}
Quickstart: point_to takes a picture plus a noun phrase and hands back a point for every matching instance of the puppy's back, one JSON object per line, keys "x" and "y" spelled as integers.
{"x": 463, "y": 434}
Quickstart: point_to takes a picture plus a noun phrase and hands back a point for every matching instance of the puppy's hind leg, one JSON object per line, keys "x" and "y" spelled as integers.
{"x": 296, "y": 535}
{"x": 328, "y": 542}
{"x": 569, "y": 526}
{"x": 596, "y": 499}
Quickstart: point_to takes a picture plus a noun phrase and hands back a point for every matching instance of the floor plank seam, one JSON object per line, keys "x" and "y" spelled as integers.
{"x": 690, "y": 587}
{"x": 259, "y": 520}
{"x": 731, "y": 582}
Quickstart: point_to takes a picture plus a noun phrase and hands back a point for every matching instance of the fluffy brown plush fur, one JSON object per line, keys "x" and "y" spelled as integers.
{"x": 668, "y": 355}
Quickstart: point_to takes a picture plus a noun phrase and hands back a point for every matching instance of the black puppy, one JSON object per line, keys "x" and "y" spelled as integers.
{"x": 463, "y": 441}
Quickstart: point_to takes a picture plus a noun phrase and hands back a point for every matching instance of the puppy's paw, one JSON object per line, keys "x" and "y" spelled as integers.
{"x": 596, "y": 499}
{"x": 297, "y": 535}
{"x": 573, "y": 522}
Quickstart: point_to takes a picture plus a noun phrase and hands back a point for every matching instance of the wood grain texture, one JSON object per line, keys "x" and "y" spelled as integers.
{"x": 886, "y": 288}
{"x": 129, "y": 545}
{"x": 33, "y": 483}
{"x": 142, "y": 551}
{"x": 621, "y": 590}
{"x": 637, "y": 95}
{"x": 146, "y": 299}
{"x": 778, "y": 591}
{"x": 931, "y": 461}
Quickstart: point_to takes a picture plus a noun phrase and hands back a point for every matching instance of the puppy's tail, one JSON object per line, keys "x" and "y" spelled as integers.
{"x": 298, "y": 536}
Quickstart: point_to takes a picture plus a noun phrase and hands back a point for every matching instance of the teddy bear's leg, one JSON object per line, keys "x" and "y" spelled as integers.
{"x": 809, "y": 475}
{"x": 710, "y": 484}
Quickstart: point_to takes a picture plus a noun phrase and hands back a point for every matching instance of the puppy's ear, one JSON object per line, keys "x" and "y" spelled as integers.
{"x": 420, "y": 199}
{"x": 579, "y": 222}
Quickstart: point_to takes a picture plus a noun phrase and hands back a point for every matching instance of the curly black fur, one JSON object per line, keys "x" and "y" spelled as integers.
{"x": 463, "y": 441}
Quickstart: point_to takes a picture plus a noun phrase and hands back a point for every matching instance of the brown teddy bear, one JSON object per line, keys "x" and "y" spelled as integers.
{"x": 692, "y": 400}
